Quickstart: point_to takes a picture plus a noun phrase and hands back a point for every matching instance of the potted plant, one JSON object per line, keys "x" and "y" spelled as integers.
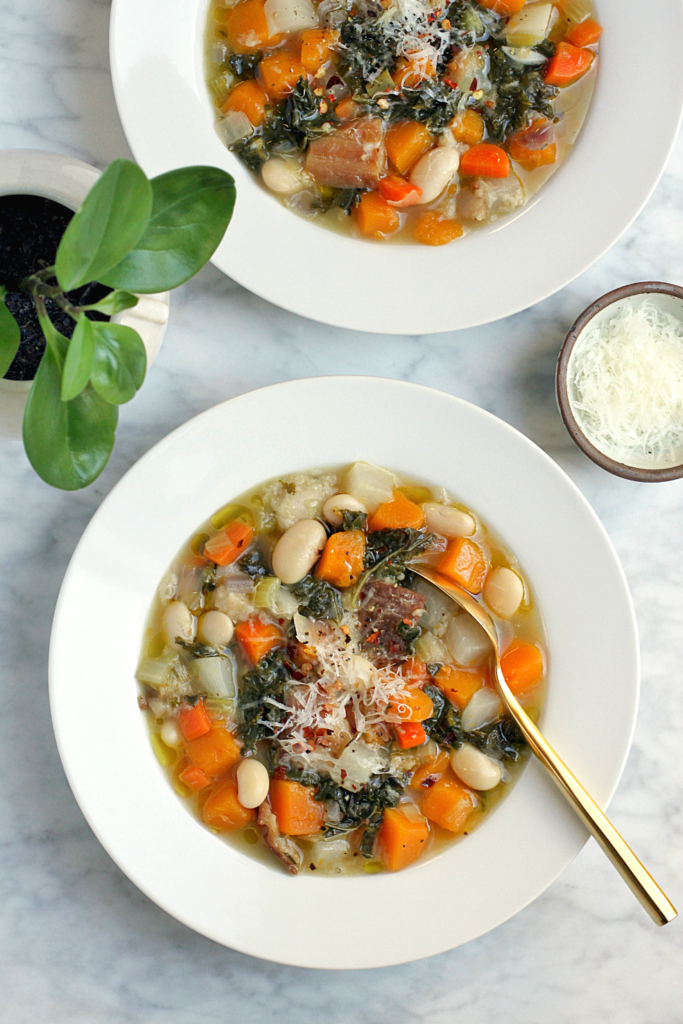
{"x": 130, "y": 242}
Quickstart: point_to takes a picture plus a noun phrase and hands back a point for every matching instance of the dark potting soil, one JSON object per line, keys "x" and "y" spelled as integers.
{"x": 31, "y": 228}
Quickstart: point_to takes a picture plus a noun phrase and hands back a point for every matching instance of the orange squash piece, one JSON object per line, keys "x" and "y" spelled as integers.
{"x": 256, "y": 637}
{"x": 341, "y": 562}
{"x": 215, "y": 752}
{"x": 458, "y": 685}
{"x": 248, "y": 28}
{"x": 279, "y": 73}
{"x": 415, "y": 672}
{"x": 405, "y": 143}
{"x": 585, "y": 33}
{"x": 375, "y": 217}
{"x": 463, "y": 562}
{"x": 468, "y": 127}
{"x": 347, "y": 109}
{"x": 434, "y": 229}
{"x": 531, "y": 159}
{"x": 247, "y": 98}
{"x": 297, "y": 813}
{"x": 448, "y": 804}
{"x": 413, "y": 705}
{"x": 400, "y": 840}
{"x": 522, "y": 666}
{"x": 316, "y": 47}
{"x": 409, "y": 73}
{"x": 397, "y": 514}
{"x": 223, "y": 811}
{"x": 504, "y": 7}
{"x": 431, "y": 771}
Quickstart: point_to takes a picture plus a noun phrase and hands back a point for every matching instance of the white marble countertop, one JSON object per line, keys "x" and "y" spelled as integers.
{"x": 78, "y": 942}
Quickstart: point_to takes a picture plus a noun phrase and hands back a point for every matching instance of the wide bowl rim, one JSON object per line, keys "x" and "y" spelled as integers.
{"x": 562, "y": 389}
{"x": 563, "y": 836}
{"x": 384, "y": 304}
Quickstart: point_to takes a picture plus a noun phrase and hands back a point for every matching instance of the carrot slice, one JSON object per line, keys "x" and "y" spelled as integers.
{"x": 413, "y": 705}
{"x": 215, "y": 752}
{"x": 341, "y": 562}
{"x": 223, "y": 811}
{"x": 585, "y": 33}
{"x": 194, "y": 777}
{"x": 567, "y": 66}
{"x": 448, "y": 804}
{"x": 248, "y": 27}
{"x": 398, "y": 191}
{"x": 194, "y": 721}
{"x": 410, "y": 734}
{"x": 504, "y": 7}
{"x": 457, "y": 685}
{"x": 294, "y": 806}
{"x": 415, "y": 672}
{"x": 226, "y": 546}
{"x": 485, "y": 160}
{"x": 522, "y": 666}
{"x": 347, "y": 109}
{"x": 397, "y": 514}
{"x": 400, "y": 840}
{"x": 463, "y": 562}
{"x": 256, "y": 637}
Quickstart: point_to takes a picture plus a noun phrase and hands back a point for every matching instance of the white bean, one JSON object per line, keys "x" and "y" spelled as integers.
{"x": 467, "y": 642}
{"x": 178, "y": 621}
{"x": 343, "y": 503}
{"x": 215, "y": 628}
{"x": 252, "y": 782}
{"x": 298, "y": 549}
{"x": 474, "y": 768}
{"x": 503, "y": 592}
{"x": 170, "y": 733}
{"x": 280, "y": 178}
{"x": 434, "y": 171}
{"x": 483, "y": 707}
{"x": 448, "y": 521}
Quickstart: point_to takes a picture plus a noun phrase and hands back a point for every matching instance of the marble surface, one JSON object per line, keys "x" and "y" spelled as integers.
{"x": 78, "y": 942}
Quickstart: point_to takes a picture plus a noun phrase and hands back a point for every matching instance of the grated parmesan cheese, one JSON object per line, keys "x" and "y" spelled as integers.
{"x": 625, "y": 385}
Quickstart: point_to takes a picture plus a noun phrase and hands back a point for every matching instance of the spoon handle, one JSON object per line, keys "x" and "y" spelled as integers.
{"x": 638, "y": 879}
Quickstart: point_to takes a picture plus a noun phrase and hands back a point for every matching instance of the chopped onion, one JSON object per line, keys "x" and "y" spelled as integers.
{"x": 529, "y": 26}
{"x": 576, "y": 10}
{"x": 289, "y": 15}
{"x": 412, "y": 811}
{"x": 523, "y": 55}
{"x": 483, "y": 708}
{"x": 217, "y": 676}
{"x": 234, "y": 127}
{"x": 238, "y": 584}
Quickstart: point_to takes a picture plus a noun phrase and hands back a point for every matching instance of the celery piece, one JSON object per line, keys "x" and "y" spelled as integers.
{"x": 229, "y": 513}
{"x": 222, "y": 85}
{"x": 417, "y": 494}
{"x": 154, "y": 671}
{"x": 266, "y": 591}
{"x": 373, "y": 867}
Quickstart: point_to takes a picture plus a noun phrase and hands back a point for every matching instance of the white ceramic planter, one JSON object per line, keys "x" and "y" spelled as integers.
{"x": 66, "y": 181}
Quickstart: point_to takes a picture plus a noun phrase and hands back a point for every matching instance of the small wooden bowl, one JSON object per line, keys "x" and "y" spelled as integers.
{"x": 642, "y": 288}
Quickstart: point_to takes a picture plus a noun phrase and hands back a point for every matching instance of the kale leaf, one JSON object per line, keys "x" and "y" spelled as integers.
{"x": 502, "y": 740}
{"x": 253, "y": 565}
{"x": 519, "y": 91}
{"x": 208, "y": 578}
{"x": 297, "y": 119}
{"x": 352, "y": 520}
{"x": 408, "y": 634}
{"x": 197, "y": 648}
{"x": 387, "y": 552}
{"x": 244, "y": 64}
{"x": 318, "y": 599}
{"x": 468, "y": 25}
{"x": 444, "y": 726}
{"x": 365, "y": 52}
{"x": 364, "y": 807}
{"x": 339, "y": 199}
{"x": 432, "y": 103}
{"x": 257, "y": 715}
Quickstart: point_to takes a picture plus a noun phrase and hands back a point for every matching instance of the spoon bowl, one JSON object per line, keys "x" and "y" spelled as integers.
{"x": 639, "y": 880}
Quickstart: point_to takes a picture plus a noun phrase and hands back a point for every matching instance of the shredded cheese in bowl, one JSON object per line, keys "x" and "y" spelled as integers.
{"x": 625, "y": 385}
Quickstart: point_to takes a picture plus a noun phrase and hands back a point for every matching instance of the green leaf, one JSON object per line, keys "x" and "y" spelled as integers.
{"x": 120, "y": 362}
{"x": 67, "y": 443}
{"x": 10, "y": 335}
{"x": 79, "y": 360}
{"x": 113, "y": 303}
{"x": 110, "y": 222}
{"x": 192, "y": 208}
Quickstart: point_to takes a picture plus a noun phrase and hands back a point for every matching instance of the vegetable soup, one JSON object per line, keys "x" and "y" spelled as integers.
{"x": 405, "y": 119}
{"x": 314, "y": 700}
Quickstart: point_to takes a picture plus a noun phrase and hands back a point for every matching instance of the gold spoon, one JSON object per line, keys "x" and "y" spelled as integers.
{"x": 638, "y": 879}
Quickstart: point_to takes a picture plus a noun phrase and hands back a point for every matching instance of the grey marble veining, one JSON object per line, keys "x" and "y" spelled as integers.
{"x": 78, "y": 942}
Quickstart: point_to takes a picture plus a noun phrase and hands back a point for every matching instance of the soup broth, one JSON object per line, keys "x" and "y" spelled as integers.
{"x": 410, "y": 120}
{"x": 314, "y": 701}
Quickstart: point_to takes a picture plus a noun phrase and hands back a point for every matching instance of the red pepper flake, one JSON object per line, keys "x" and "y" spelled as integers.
{"x": 473, "y": 86}
{"x": 489, "y": 104}
{"x": 373, "y": 638}
{"x": 407, "y": 622}
{"x": 343, "y": 774}
{"x": 447, "y": 81}
{"x": 279, "y": 773}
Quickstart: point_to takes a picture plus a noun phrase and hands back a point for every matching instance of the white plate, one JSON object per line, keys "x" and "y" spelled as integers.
{"x": 366, "y": 921}
{"x": 156, "y": 59}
